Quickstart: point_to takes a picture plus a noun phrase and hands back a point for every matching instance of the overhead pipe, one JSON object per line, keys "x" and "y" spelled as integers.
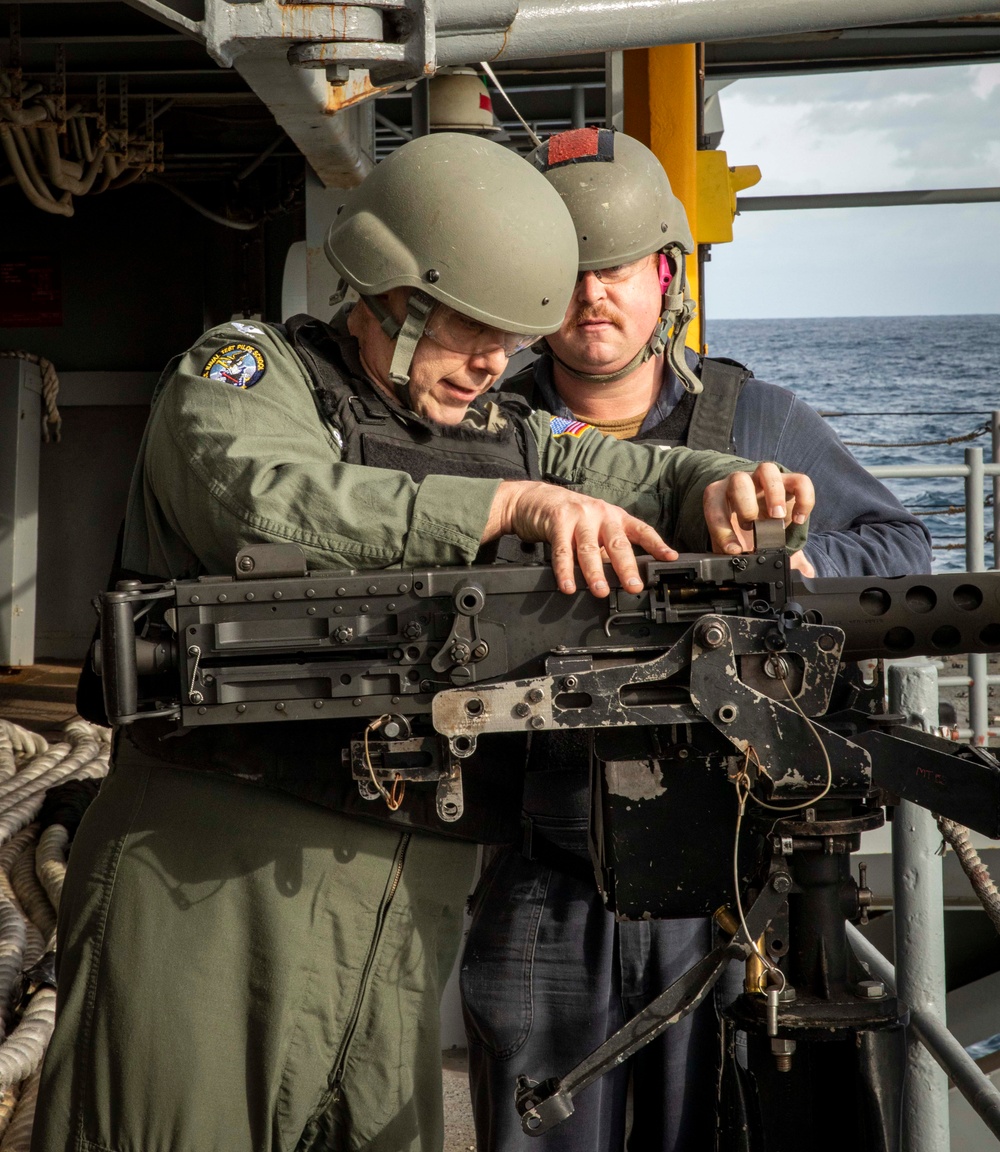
{"x": 22, "y": 116}
{"x": 868, "y": 199}
{"x": 111, "y": 172}
{"x": 129, "y": 176}
{"x": 81, "y": 138}
{"x": 47, "y": 204}
{"x": 59, "y": 168}
{"x": 23, "y": 143}
{"x": 544, "y": 28}
{"x": 215, "y": 217}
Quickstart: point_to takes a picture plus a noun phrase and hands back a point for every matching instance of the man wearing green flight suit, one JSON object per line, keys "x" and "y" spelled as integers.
{"x": 243, "y": 965}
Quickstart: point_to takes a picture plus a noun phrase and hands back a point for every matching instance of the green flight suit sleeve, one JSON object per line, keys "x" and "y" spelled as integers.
{"x": 662, "y": 486}
{"x": 228, "y": 465}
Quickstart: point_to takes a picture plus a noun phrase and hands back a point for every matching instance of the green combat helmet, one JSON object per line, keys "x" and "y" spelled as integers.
{"x": 469, "y": 225}
{"x": 623, "y": 208}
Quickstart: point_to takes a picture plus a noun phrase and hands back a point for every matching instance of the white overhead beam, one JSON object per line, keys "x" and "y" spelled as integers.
{"x": 543, "y": 28}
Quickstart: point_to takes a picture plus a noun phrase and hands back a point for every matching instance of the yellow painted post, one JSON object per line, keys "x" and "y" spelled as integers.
{"x": 661, "y": 110}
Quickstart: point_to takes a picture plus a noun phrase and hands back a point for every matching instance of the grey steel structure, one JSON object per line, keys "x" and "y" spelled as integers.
{"x": 318, "y": 67}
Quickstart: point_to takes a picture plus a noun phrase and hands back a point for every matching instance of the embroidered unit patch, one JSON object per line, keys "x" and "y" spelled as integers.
{"x": 241, "y": 365}
{"x": 247, "y": 329}
{"x": 560, "y": 426}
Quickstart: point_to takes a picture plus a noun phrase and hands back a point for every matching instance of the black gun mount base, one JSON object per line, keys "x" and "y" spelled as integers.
{"x": 825, "y": 1021}
{"x": 809, "y": 1012}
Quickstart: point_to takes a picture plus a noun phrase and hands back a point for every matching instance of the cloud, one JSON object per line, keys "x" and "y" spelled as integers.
{"x": 900, "y": 128}
{"x": 908, "y": 261}
{"x": 858, "y": 132}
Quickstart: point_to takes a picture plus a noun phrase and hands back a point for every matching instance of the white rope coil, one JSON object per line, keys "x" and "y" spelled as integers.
{"x": 8, "y": 761}
{"x": 21, "y": 1053}
{"x": 17, "y": 1137}
{"x": 24, "y": 742}
{"x": 32, "y": 870}
{"x": 9, "y": 853}
{"x": 50, "y": 861}
{"x": 32, "y": 895}
{"x": 8, "y": 1103}
{"x": 34, "y": 941}
{"x": 13, "y": 941}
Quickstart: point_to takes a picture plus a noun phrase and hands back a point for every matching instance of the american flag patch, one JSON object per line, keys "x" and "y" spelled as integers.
{"x": 560, "y": 426}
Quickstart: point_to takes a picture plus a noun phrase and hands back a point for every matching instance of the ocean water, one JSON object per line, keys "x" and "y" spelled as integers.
{"x": 891, "y": 380}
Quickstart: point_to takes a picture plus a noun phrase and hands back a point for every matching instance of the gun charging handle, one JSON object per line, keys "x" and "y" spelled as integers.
{"x": 121, "y": 658}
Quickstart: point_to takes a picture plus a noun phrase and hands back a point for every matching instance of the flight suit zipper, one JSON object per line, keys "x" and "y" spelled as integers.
{"x": 383, "y": 911}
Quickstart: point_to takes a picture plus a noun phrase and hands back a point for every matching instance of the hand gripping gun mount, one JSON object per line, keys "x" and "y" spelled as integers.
{"x": 721, "y": 678}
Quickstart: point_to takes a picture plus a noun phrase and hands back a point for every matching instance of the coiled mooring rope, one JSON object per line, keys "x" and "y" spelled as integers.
{"x": 32, "y": 868}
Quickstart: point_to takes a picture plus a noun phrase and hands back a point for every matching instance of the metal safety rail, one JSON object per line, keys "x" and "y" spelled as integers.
{"x": 974, "y": 471}
{"x": 918, "y": 901}
{"x": 934, "y": 1054}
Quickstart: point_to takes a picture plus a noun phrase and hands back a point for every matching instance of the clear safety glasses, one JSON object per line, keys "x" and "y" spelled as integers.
{"x": 618, "y": 273}
{"x": 460, "y": 333}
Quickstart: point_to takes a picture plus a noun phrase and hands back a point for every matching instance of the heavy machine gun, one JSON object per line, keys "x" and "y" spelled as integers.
{"x": 724, "y": 678}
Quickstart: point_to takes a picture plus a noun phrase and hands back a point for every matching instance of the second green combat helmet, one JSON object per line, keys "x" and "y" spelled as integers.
{"x": 624, "y": 208}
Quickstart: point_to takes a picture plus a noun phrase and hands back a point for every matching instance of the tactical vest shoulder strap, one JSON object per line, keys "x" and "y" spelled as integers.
{"x": 523, "y": 384}
{"x": 711, "y": 423}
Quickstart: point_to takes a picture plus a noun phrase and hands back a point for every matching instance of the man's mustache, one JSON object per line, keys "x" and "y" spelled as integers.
{"x": 582, "y": 315}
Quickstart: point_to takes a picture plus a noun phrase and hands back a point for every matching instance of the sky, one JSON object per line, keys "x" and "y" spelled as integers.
{"x": 863, "y": 132}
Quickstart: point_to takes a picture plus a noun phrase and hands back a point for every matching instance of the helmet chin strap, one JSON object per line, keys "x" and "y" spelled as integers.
{"x": 640, "y": 357}
{"x": 678, "y": 311}
{"x": 407, "y": 336}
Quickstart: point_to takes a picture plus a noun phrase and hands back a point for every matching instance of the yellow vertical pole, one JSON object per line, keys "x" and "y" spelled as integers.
{"x": 661, "y": 89}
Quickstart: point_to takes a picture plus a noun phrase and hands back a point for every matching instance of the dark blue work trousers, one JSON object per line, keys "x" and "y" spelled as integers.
{"x": 547, "y": 976}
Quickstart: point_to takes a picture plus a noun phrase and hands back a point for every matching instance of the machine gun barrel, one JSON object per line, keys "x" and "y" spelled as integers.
{"x": 922, "y": 615}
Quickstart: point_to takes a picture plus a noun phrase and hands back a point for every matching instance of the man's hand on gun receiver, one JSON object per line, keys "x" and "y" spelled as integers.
{"x": 732, "y": 504}
{"x": 589, "y": 532}
{"x": 578, "y": 528}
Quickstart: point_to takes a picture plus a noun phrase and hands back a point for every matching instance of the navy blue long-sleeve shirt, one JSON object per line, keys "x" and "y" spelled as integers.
{"x": 858, "y": 527}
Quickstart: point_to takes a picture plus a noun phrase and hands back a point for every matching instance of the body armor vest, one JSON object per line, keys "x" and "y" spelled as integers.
{"x": 380, "y": 433}
{"x": 702, "y": 421}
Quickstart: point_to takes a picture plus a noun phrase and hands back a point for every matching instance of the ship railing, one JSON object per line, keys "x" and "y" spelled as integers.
{"x": 975, "y": 471}
{"x": 935, "y": 1055}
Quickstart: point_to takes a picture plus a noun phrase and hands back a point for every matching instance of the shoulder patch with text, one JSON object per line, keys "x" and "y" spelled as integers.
{"x": 560, "y": 426}
{"x": 241, "y": 365}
